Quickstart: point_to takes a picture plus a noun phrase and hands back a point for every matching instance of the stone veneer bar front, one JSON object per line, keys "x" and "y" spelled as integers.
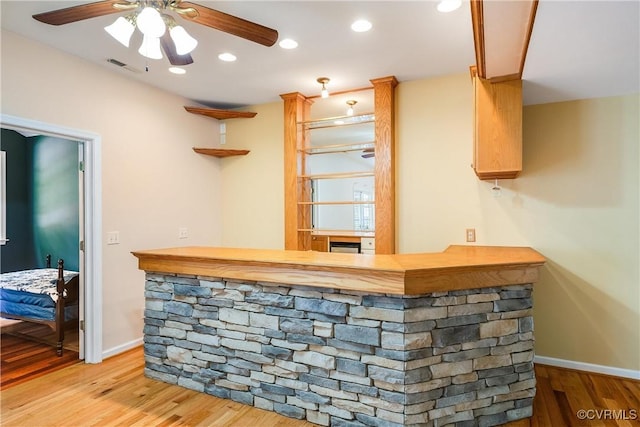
{"x": 301, "y": 334}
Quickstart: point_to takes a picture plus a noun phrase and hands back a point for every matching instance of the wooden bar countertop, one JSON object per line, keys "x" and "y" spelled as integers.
{"x": 458, "y": 267}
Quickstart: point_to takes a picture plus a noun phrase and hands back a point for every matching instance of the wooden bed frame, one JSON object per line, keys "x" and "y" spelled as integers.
{"x": 67, "y": 294}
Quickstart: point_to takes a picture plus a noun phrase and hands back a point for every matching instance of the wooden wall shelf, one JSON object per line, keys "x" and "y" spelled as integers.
{"x": 220, "y": 152}
{"x": 221, "y": 114}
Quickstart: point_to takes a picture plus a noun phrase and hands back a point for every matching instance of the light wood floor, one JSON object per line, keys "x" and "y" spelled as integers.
{"x": 116, "y": 393}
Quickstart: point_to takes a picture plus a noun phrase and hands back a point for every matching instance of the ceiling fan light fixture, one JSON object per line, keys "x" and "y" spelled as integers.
{"x": 183, "y": 41}
{"x": 150, "y": 22}
{"x": 324, "y": 93}
{"x": 122, "y": 29}
{"x": 150, "y": 47}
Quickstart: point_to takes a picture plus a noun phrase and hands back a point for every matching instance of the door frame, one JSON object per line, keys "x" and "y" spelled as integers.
{"x": 91, "y": 143}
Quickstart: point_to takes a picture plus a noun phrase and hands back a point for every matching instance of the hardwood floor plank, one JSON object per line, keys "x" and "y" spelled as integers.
{"x": 545, "y": 405}
{"x": 630, "y": 391}
{"x": 22, "y": 359}
{"x": 116, "y": 393}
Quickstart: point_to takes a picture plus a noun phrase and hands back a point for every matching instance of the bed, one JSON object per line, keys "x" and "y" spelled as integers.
{"x": 47, "y": 296}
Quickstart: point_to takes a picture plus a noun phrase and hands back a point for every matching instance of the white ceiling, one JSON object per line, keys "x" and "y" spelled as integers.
{"x": 578, "y": 49}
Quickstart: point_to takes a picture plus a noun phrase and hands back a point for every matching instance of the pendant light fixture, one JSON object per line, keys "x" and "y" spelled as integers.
{"x": 351, "y": 103}
{"x": 323, "y": 81}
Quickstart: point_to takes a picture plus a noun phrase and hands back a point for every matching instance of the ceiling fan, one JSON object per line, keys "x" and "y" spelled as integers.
{"x": 190, "y": 11}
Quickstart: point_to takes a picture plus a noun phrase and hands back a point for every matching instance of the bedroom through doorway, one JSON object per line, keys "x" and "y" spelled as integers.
{"x": 42, "y": 215}
{"x": 59, "y": 215}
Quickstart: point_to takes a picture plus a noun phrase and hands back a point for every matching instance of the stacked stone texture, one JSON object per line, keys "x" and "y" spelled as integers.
{"x": 344, "y": 358}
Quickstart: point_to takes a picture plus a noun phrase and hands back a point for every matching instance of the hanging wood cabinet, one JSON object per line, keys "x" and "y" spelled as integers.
{"x": 497, "y": 150}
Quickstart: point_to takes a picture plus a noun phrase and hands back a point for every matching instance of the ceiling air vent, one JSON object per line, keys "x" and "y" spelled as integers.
{"x": 116, "y": 62}
{"x": 122, "y": 65}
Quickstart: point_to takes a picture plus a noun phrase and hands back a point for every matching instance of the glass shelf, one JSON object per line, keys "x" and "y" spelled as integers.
{"x": 339, "y": 148}
{"x": 339, "y": 175}
{"x": 346, "y": 202}
{"x": 331, "y": 122}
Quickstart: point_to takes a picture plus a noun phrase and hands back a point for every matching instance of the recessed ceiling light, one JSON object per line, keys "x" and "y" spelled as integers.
{"x": 177, "y": 70}
{"x": 449, "y": 5}
{"x": 288, "y": 44}
{"x": 227, "y": 57}
{"x": 361, "y": 25}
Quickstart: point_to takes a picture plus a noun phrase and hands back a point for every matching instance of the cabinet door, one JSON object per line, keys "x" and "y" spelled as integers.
{"x": 320, "y": 243}
{"x": 498, "y": 129}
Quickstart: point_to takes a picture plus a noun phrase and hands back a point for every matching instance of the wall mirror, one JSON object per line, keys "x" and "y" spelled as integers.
{"x": 340, "y": 169}
{"x": 339, "y": 142}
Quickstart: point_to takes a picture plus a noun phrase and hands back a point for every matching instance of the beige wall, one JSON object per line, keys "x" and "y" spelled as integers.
{"x": 253, "y": 191}
{"x": 153, "y": 183}
{"x": 576, "y": 202}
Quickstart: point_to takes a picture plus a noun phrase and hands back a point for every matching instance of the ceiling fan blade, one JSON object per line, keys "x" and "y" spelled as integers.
{"x": 367, "y": 153}
{"x": 230, "y": 24}
{"x": 77, "y": 13}
{"x": 169, "y": 48}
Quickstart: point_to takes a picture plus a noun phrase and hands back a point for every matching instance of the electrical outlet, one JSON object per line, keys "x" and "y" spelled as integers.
{"x": 113, "y": 238}
{"x": 471, "y": 234}
{"x": 183, "y": 233}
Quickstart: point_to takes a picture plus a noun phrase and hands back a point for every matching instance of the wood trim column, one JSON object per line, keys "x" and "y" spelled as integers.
{"x": 296, "y": 109}
{"x": 385, "y": 170}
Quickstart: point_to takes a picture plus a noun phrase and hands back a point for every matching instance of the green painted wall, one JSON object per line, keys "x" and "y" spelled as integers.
{"x": 42, "y": 201}
{"x": 56, "y": 208}
{"x": 18, "y": 253}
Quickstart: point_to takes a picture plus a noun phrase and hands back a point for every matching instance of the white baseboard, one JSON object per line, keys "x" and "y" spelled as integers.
{"x": 589, "y": 367}
{"x": 122, "y": 348}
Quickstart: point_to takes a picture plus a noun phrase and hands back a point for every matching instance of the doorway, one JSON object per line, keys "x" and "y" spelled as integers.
{"x": 90, "y": 213}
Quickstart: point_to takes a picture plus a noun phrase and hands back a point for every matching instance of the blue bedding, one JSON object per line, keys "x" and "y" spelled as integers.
{"x": 32, "y": 294}
{"x": 35, "y": 311}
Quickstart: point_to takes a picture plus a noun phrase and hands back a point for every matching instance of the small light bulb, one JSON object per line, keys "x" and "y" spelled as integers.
{"x": 227, "y": 57}
{"x": 288, "y": 44}
{"x": 361, "y": 26}
{"x": 446, "y": 6}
